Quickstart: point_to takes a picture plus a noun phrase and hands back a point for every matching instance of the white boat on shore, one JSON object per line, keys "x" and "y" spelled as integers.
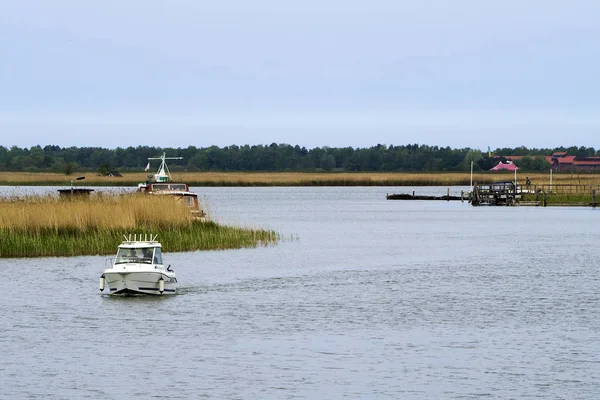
{"x": 138, "y": 268}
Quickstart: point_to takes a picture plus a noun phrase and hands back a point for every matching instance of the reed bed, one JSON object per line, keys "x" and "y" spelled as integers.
{"x": 301, "y": 178}
{"x": 37, "y": 226}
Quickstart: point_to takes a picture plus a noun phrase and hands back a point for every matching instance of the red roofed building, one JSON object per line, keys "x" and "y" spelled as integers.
{"x": 561, "y": 162}
{"x": 572, "y": 163}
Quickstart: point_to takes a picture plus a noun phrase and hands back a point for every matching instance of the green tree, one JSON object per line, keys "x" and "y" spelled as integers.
{"x": 104, "y": 169}
{"x": 36, "y": 157}
{"x": 70, "y": 167}
{"x": 58, "y": 164}
{"x": 328, "y": 162}
{"x": 539, "y": 163}
{"x": 3, "y": 158}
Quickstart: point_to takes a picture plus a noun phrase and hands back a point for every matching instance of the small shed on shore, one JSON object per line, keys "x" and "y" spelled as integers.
{"x": 115, "y": 174}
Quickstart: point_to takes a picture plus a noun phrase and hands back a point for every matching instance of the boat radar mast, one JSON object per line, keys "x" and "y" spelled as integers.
{"x": 163, "y": 174}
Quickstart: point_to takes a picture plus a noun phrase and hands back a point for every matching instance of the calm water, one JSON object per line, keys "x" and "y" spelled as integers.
{"x": 372, "y": 299}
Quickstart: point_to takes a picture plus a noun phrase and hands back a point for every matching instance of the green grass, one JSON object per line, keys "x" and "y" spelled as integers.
{"x": 555, "y": 198}
{"x": 48, "y": 242}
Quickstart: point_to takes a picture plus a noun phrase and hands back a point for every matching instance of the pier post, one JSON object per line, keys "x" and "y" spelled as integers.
{"x": 544, "y": 199}
{"x": 475, "y": 197}
{"x": 594, "y": 198}
{"x": 462, "y": 199}
{"x": 448, "y": 194}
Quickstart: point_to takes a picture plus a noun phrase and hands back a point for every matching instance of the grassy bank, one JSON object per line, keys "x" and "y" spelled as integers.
{"x": 562, "y": 198}
{"x": 38, "y": 226}
{"x": 200, "y": 179}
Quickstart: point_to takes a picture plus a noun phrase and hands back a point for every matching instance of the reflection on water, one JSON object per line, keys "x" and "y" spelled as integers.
{"x": 376, "y": 299}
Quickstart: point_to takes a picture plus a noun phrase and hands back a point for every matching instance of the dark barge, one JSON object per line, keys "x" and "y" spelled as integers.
{"x": 403, "y": 196}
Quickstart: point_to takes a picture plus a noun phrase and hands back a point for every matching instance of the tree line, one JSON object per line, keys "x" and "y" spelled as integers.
{"x": 275, "y": 157}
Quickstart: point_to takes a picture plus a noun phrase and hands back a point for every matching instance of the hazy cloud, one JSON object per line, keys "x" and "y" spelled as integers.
{"x": 463, "y": 73}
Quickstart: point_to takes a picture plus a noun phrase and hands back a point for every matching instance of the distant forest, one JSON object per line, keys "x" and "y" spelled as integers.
{"x": 274, "y": 157}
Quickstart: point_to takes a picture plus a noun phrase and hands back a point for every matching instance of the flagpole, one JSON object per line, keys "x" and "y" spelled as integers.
{"x": 471, "y": 174}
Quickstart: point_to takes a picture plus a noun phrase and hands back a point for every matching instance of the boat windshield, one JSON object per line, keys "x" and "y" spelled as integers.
{"x": 137, "y": 255}
{"x": 189, "y": 201}
{"x": 169, "y": 186}
{"x": 157, "y": 256}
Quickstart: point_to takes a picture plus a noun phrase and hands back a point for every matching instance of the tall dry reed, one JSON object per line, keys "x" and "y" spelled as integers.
{"x": 302, "y": 178}
{"x": 34, "y": 213}
{"x": 36, "y": 226}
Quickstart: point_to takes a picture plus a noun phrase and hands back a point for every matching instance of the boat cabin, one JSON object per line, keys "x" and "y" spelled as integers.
{"x": 139, "y": 254}
{"x": 178, "y": 190}
{"x": 149, "y": 187}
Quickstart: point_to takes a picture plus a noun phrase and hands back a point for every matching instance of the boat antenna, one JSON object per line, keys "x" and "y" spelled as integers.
{"x": 163, "y": 174}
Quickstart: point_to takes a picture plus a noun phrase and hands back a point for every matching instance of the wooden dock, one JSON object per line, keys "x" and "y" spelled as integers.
{"x": 506, "y": 193}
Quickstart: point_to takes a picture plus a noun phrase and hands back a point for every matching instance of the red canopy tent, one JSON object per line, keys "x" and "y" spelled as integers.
{"x": 509, "y": 166}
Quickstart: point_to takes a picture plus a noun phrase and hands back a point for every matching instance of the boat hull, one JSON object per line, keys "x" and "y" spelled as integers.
{"x": 121, "y": 282}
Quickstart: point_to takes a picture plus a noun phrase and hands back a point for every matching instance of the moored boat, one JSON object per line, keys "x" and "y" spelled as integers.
{"x": 138, "y": 268}
{"x": 163, "y": 185}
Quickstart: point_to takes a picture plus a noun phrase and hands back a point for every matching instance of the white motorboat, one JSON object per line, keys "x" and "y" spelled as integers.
{"x": 138, "y": 269}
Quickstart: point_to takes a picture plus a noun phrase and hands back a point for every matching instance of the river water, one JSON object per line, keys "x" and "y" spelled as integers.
{"x": 366, "y": 298}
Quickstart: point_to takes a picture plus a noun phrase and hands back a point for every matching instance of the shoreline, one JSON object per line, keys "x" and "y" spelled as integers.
{"x": 266, "y": 179}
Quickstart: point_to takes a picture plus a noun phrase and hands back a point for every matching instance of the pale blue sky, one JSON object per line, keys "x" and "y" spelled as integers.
{"x": 459, "y": 73}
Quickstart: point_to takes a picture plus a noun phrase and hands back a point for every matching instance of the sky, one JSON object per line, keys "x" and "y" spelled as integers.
{"x": 336, "y": 73}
